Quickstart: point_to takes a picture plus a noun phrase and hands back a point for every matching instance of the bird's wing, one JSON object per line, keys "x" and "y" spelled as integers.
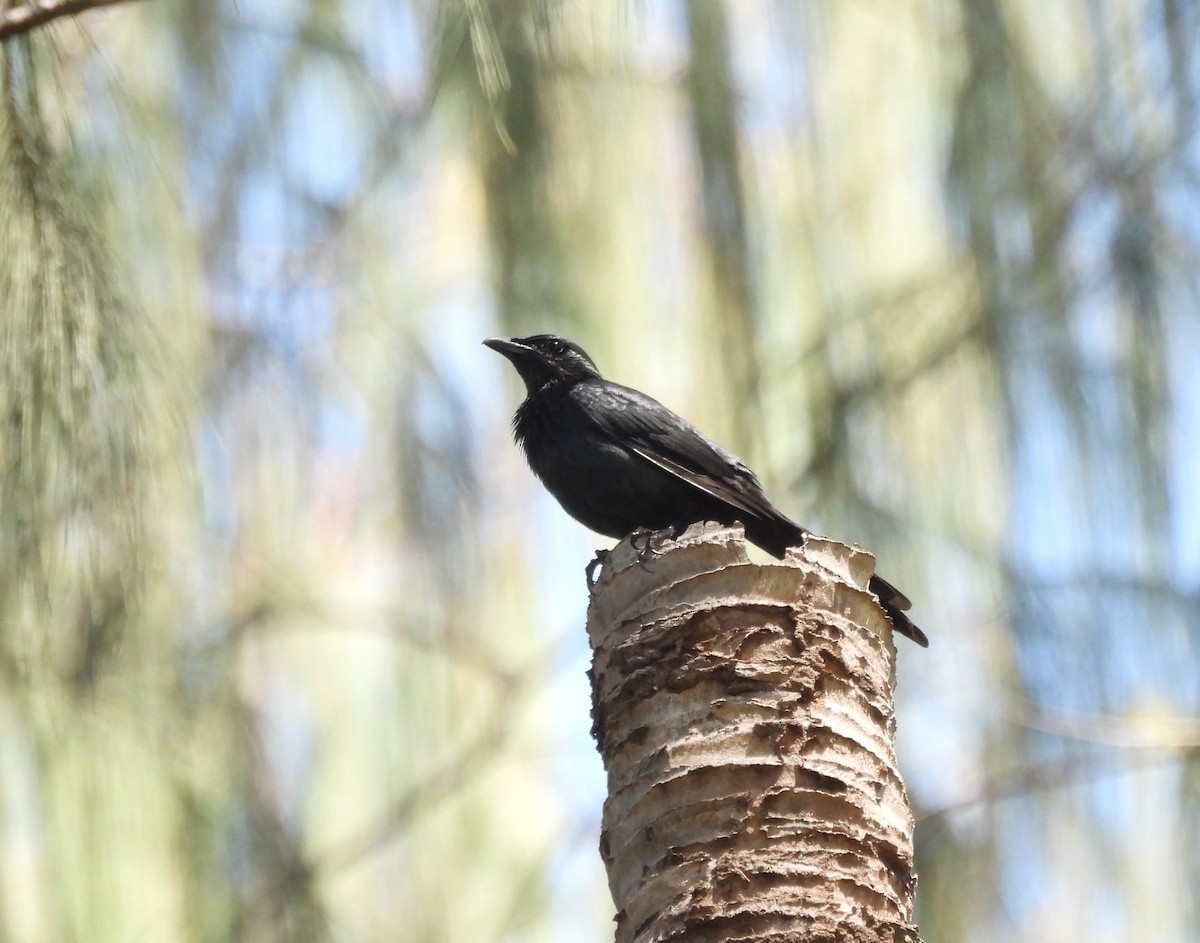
{"x": 660, "y": 436}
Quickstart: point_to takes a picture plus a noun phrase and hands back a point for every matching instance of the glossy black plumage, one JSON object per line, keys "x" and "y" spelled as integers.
{"x": 617, "y": 460}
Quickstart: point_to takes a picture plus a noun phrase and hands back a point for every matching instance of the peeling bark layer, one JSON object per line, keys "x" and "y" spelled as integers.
{"x": 744, "y": 716}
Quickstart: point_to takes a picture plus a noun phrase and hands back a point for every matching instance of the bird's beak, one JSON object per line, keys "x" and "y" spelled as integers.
{"x": 530, "y": 363}
{"x": 511, "y": 349}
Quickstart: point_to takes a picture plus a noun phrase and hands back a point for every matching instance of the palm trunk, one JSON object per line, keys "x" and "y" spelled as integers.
{"x": 744, "y": 716}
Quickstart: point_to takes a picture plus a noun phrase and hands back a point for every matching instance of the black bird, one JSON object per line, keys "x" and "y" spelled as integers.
{"x": 619, "y": 461}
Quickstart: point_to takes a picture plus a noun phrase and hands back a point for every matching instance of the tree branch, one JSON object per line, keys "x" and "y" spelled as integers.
{"x": 29, "y": 16}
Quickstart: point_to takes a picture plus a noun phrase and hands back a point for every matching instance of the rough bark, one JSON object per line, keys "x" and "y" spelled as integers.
{"x": 744, "y": 715}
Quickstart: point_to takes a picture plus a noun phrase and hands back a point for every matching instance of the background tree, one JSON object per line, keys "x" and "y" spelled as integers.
{"x": 292, "y": 644}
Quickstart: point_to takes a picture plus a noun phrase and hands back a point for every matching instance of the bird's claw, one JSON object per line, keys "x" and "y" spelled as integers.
{"x": 642, "y": 542}
{"x": 643, "y": 539}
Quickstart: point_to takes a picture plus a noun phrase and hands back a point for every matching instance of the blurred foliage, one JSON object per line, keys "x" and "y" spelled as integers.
{"x": 292, "y": 643}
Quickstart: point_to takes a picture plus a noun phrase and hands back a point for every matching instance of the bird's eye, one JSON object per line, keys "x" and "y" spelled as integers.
{"x": 557, "y": 347}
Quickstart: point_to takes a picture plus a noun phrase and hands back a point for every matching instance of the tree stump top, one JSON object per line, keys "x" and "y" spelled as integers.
{"x": 744, "y": 715}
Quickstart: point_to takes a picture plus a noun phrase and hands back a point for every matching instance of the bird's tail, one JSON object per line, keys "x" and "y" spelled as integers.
{"x": 894, "y": 603}
{"x": 776, "y": 535}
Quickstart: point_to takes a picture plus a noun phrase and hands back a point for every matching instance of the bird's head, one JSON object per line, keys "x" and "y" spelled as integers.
{"x": 544, "y": 359}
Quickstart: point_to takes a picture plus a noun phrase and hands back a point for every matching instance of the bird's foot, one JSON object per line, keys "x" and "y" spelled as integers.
{"x": 600, "y": 559}
{"x": 643, "y": 540}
